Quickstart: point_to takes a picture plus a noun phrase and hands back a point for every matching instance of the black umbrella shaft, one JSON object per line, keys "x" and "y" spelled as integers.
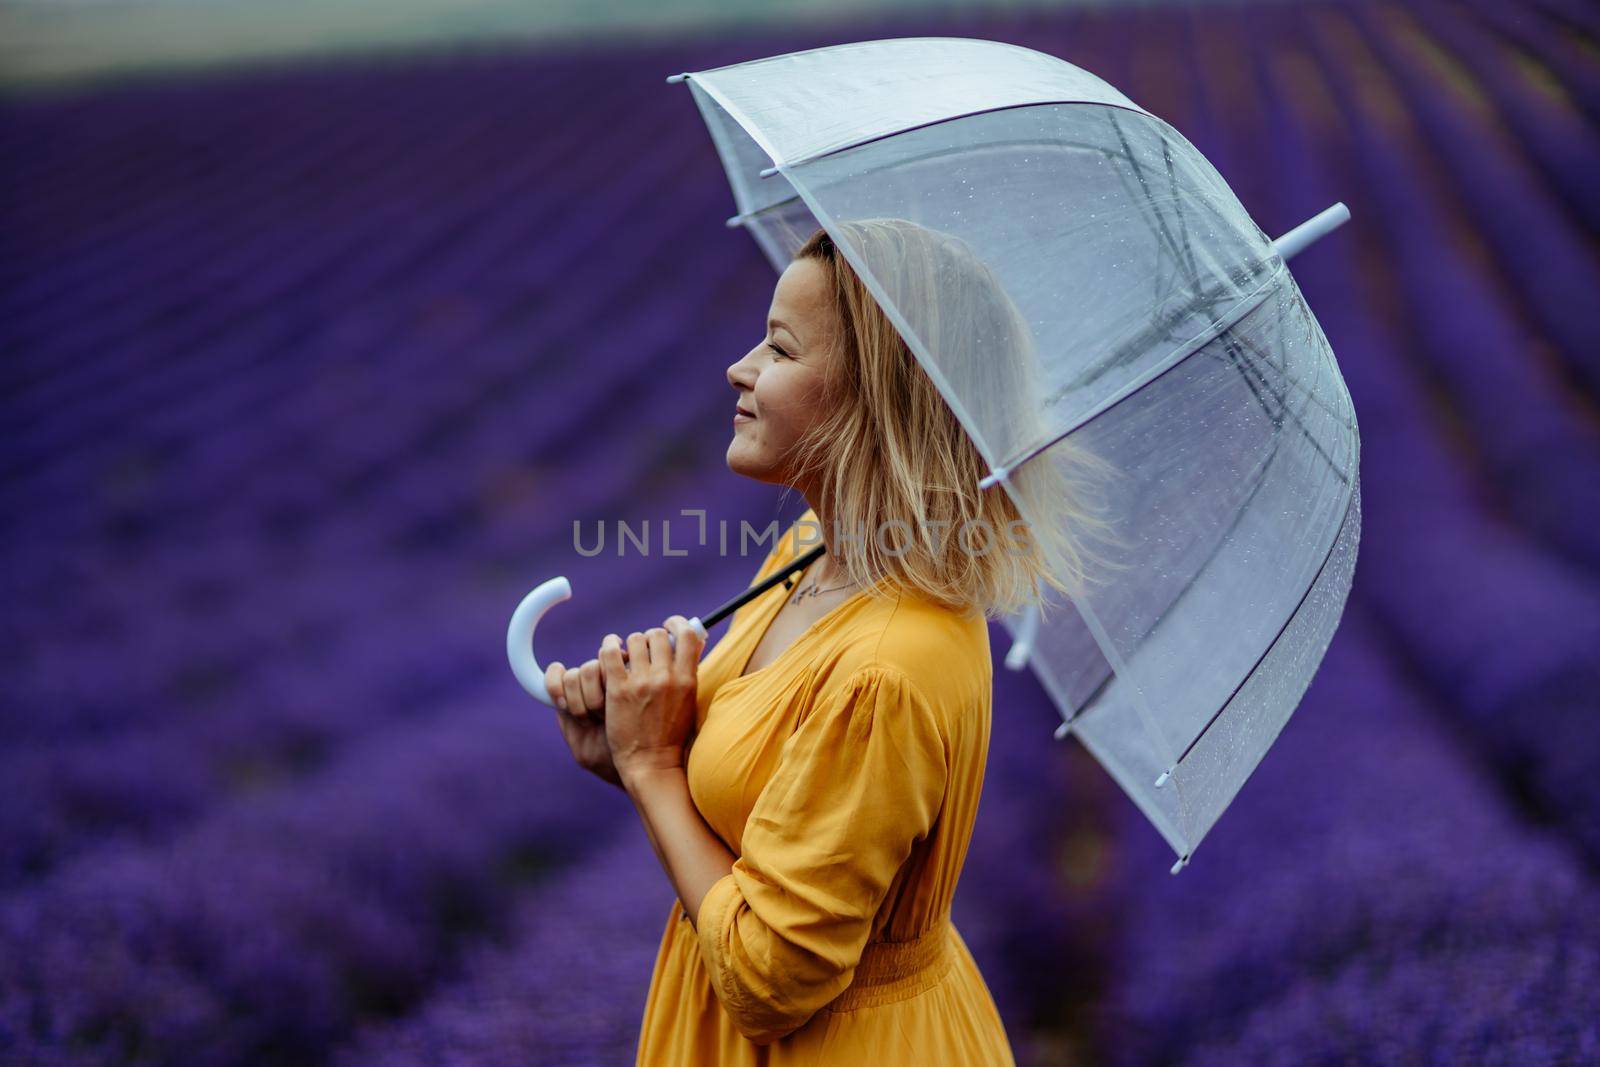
{"x": 760, "y": 587}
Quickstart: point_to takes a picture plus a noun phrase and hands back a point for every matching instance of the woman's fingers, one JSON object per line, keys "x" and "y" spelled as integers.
{"x": 686, "y": 646}
{"x": 554, "y": 685}
{"x": 592, "y": 684}
{"x": 660, "y": 647}
{"x": 610, "y": 656}
{"x": 638, "y": 651}
{"x": 572, "y": 690}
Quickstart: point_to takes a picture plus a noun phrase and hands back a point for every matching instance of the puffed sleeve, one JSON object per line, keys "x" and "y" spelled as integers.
{"x": 860, "y": 781}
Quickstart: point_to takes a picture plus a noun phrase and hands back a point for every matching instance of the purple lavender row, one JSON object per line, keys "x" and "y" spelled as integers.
{"x": 72, "y": 792}
{"x": 263, "y": 934}
{"x": 323, "y": 273}
{"x": 99, "y": 791}
{"x": 267, "y": 930}
{"x": 1367, "y": 859}
{"x": 567, "y": 447}
{"x": 1576, "y": 14}
{"x": 220, "y": 248}
{"x": 1506, "y": 634}
{"x": 130, "y": 119}
{"x": 365, "y": 475}
{"x": 426, "y": 482}
{"x": 1549, "y": 129}
{"x": 398, "y": 226}
{"x": 1550, "y": 266}
{"x": 494, "y": 248}
{"x": 151, "y": 774}
{"x": 569, "y": 990}
{"x": 252, "y": 626}
{"x": 1572, "y": 72}
{"x": 292, "y": 154}
{"x": 1541, "y": 451}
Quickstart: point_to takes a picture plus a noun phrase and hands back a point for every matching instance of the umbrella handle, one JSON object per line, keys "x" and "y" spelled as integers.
{"x": 519, "y": 635}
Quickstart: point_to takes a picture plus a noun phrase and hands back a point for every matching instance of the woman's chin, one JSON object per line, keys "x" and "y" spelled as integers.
{"x": 740, "y": 464}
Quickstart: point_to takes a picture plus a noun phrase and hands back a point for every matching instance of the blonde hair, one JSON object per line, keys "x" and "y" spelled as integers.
{"x": 889, "y": 451}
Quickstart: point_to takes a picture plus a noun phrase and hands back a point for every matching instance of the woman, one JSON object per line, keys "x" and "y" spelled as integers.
{"x": 810, "y": 788}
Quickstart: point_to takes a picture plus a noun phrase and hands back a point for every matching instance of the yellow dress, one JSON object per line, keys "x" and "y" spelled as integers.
{"x": 845, "y": 776}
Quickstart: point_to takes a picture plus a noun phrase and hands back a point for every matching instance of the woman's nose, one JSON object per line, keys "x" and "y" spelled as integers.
{"x": 740, "y": 374}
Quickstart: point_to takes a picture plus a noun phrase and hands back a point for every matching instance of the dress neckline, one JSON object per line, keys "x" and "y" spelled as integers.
{"x": 772, "y": 614}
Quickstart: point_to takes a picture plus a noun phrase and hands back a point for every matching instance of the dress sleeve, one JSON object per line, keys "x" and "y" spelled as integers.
{"x": 860, "y": 781}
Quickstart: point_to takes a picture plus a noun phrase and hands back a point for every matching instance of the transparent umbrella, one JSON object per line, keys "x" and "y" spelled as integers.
{"x": 1128, "y": 351}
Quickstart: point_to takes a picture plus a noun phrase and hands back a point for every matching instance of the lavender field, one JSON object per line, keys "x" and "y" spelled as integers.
{"x": 306, "y": 370}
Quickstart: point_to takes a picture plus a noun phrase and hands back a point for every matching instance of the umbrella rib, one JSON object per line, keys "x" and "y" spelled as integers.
{"x": 1138, "y": 171}
{"x": 1270, "y": 644}
{"x": 734, "y": 221}
{"x": 776, "y": 167}
{"x": 1186, "y": 256}
{"x": 1158, "y": 331}
{"x": 1158, "y": 226}
{"x": 1234, "y": 343}
{"x": 1172, "y": 181}
{"x": 1177, "y": 357}
{"x": 1087, "y": 706}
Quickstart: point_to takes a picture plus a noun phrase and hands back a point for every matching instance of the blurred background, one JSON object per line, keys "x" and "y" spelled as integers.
{"x": 321, "y": 323}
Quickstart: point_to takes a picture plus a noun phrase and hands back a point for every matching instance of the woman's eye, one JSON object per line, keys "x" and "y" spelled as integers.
{"x": 778, "y": 350}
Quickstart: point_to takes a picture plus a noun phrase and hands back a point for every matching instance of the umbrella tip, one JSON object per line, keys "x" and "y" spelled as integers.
{"x": 1313, "y": 229}
{"x": 1183, "y": 861}
{"x": 673, "y": 78}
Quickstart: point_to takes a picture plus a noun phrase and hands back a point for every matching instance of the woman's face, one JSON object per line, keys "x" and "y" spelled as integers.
{"x": 780, "y": 381}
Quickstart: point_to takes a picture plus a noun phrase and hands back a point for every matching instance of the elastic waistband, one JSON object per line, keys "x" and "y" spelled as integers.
{"x": 895, "y": 970}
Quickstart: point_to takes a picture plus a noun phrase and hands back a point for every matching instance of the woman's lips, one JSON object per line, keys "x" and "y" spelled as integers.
{"x": 741, "y": 415}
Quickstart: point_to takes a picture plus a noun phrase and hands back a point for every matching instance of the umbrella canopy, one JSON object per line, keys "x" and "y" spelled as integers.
{"x": 1126, "y": 348}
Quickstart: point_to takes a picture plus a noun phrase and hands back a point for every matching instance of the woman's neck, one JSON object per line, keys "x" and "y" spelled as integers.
{"x": 828, "y": 571}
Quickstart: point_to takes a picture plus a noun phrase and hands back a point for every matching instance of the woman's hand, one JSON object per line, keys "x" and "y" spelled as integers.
{"x": 580, "y": 700}
{"x": 650, "y": 697}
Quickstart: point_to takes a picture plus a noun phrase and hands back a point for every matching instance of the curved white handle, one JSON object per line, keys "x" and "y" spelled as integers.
{"x": 519, "y": 635}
